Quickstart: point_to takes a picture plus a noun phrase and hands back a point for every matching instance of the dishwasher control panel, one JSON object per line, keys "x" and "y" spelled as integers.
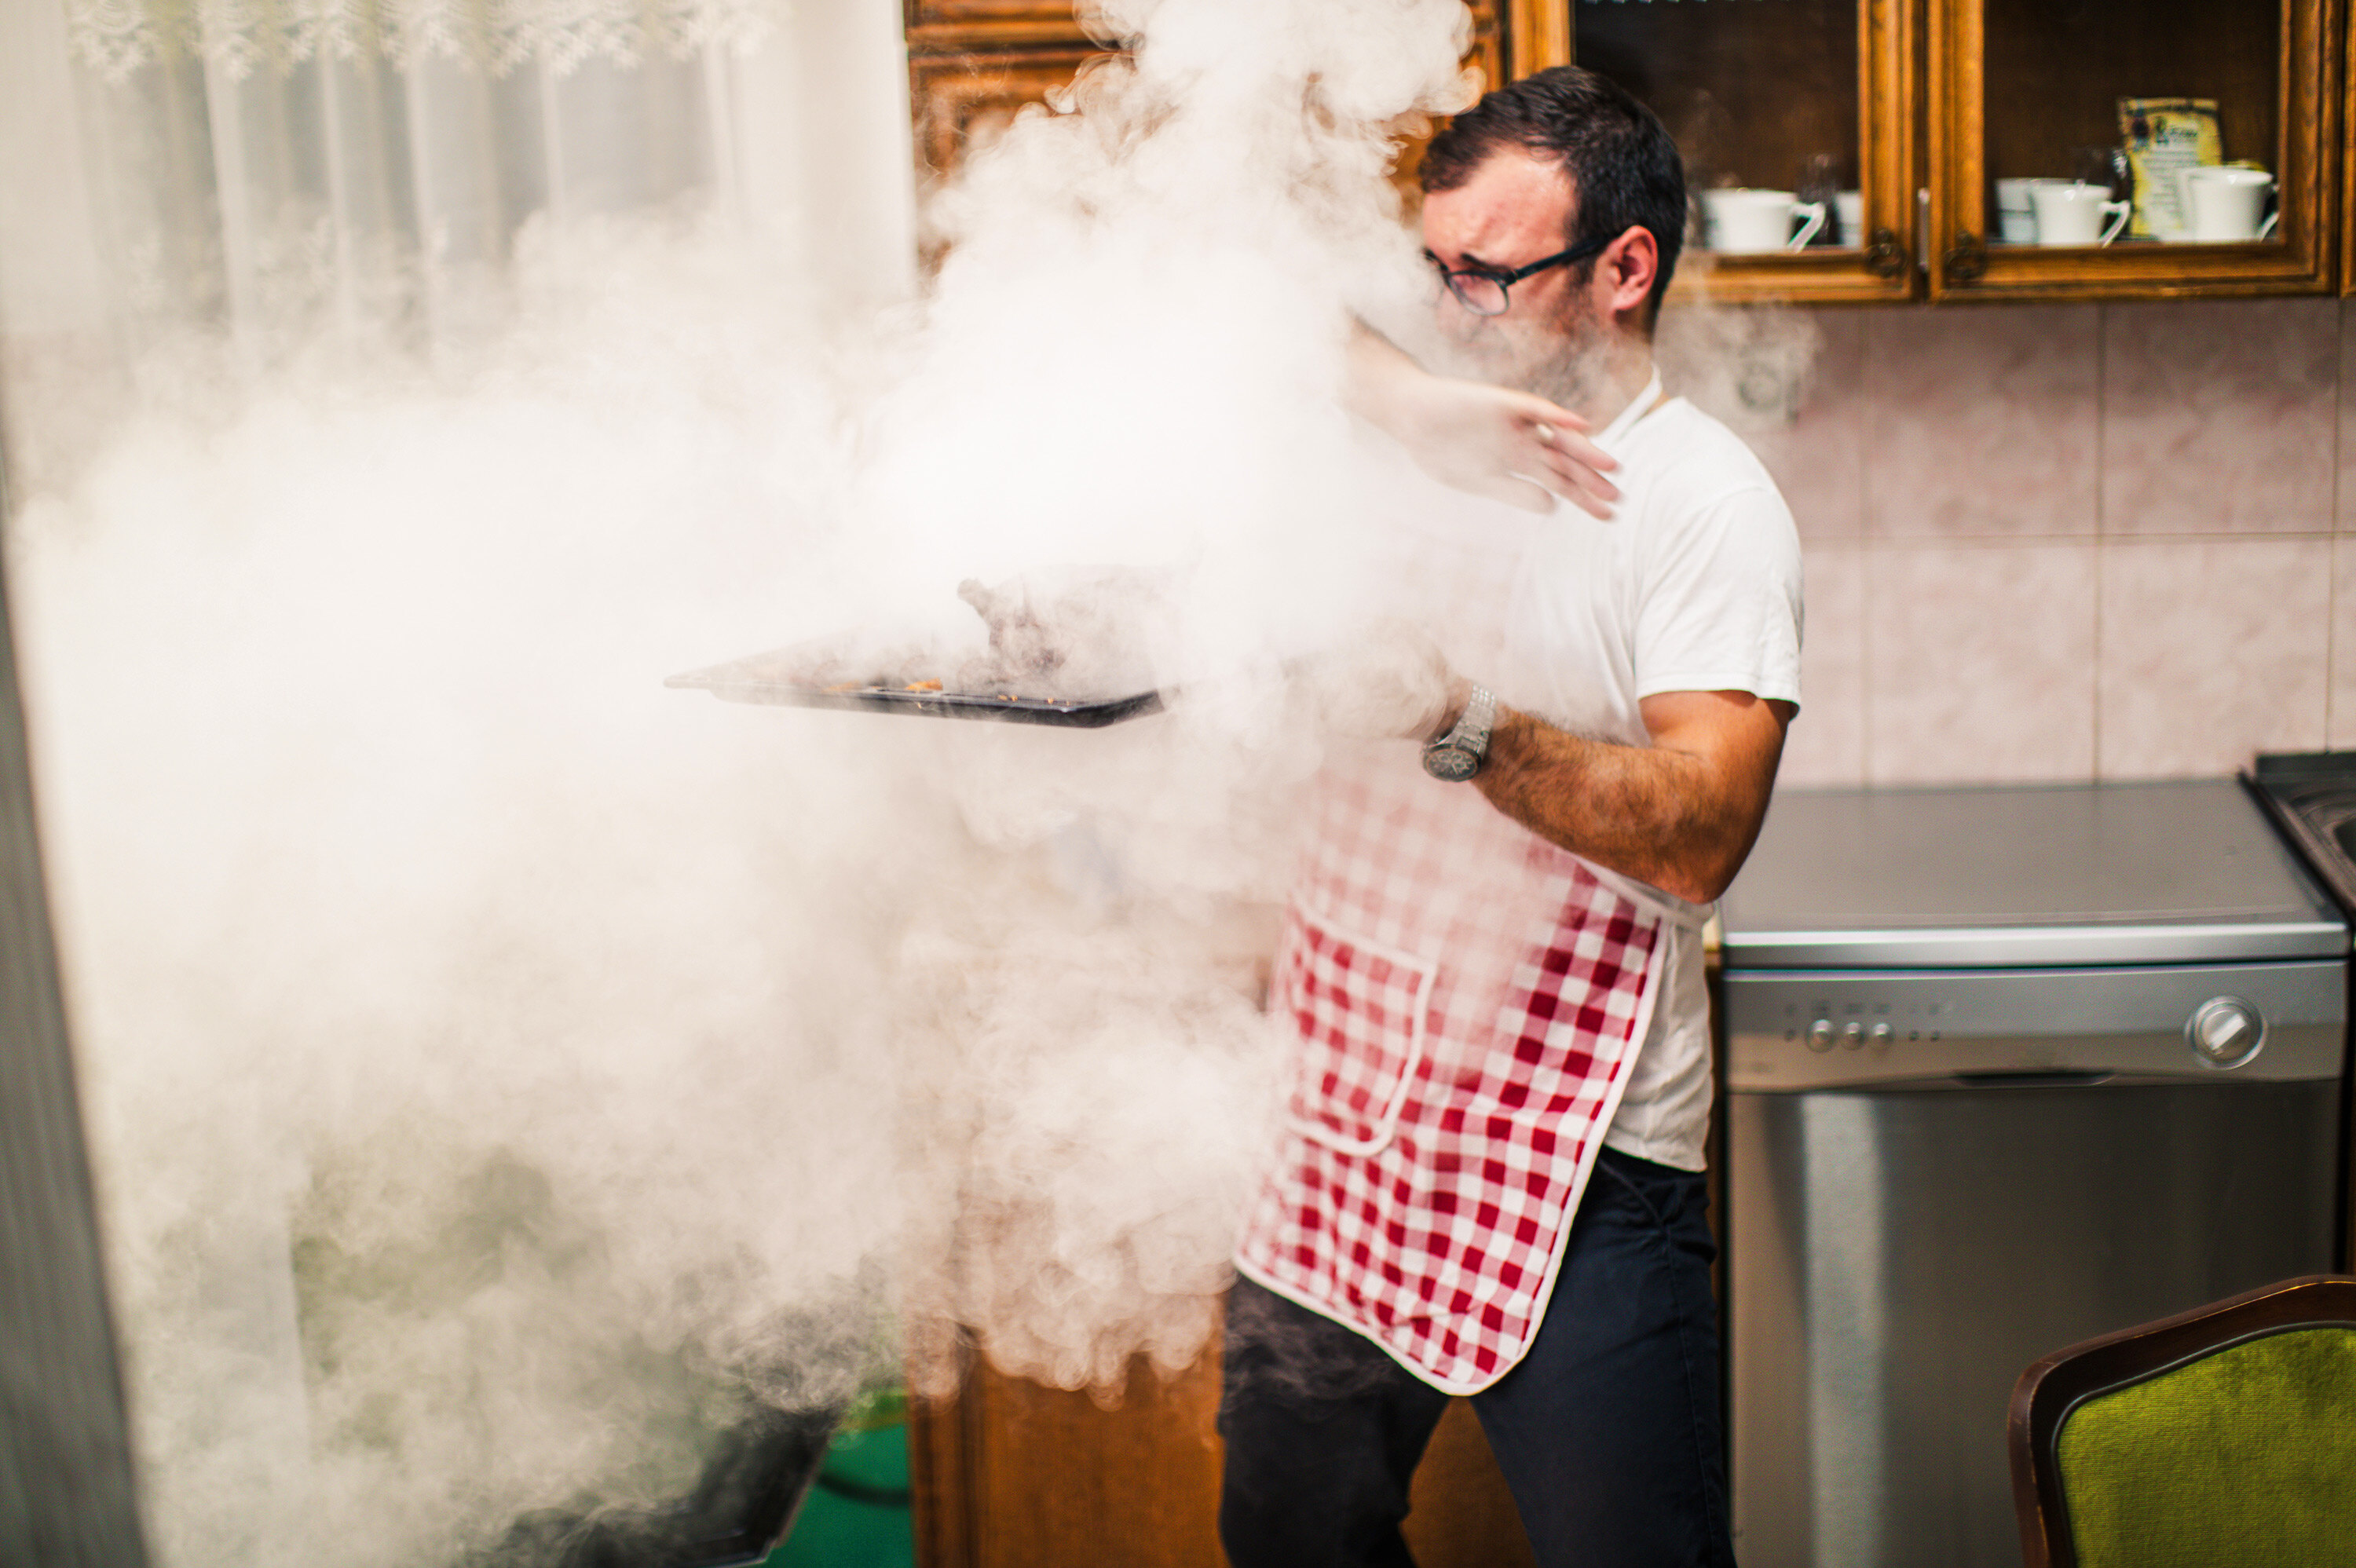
{"x": 1816, "y": 1029}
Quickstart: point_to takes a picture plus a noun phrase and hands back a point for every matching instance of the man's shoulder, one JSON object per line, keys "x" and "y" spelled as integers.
{"x": 1707, "y": 502}
{"x": 1692, "y": 459}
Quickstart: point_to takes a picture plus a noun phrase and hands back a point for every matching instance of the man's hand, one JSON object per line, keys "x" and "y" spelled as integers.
{"x": 1490, "y": 441}
{"x": 1680, "y": 814}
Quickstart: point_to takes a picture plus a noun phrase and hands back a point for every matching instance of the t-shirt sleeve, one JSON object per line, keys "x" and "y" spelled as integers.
{"x": 1722, "y": 609}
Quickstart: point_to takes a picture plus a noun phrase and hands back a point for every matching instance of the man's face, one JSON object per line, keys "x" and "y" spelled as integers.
{"x": 1515, "y": 210}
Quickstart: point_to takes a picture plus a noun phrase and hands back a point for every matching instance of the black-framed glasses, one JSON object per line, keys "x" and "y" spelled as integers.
{"x": 1482, "y": 290}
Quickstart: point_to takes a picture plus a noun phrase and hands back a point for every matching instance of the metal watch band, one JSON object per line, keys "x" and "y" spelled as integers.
{"x": 1458, "y": 755}
{"x": 1480, "y": 717}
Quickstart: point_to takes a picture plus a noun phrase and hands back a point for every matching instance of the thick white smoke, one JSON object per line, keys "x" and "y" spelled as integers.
{"x": 593, "y": 1050}
{"x": 417, "y": 931}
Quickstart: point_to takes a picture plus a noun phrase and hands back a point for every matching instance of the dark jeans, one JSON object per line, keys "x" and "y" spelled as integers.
{"x": 1608, "y": 1430}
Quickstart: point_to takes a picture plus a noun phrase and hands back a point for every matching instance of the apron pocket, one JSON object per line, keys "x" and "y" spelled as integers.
{"x": 1357, "y": 1013}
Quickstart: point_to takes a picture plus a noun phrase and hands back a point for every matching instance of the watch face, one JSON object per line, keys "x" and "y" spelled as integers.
{"x": 1452, "y": 765}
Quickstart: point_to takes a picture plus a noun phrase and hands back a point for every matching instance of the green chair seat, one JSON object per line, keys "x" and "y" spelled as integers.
{"x": 2222, "y": 1437}
{"x": 2245, "y": 1455}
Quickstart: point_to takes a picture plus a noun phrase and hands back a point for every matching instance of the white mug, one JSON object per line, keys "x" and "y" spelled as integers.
{"x": 2072, "y": 213}
{"x": 1849, "y": 206}
{"x": 2224, "y": 204}
{"x": 1749, "y": 222}
{"x": 2016, "y": 210}
{"x": 2015, "y": 218}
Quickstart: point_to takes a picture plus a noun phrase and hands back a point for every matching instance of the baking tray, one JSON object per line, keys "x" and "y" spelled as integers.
{"x": 744, "y": 680}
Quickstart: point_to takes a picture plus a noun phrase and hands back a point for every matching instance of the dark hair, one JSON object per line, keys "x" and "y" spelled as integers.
{"x": 1622, "y": 165}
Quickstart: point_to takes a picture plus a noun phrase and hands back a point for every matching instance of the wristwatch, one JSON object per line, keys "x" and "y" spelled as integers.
{"x": 1458, "y": 755}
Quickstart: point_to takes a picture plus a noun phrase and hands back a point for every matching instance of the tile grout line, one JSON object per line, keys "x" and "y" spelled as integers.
{"x": 2331, "y": 559}
{"x": 2156, "y": 538}
{"x": 1865, "y": 555}
{"x": 2102, "y": 523}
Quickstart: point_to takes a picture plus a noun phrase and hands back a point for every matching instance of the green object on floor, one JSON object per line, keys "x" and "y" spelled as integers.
{"x": 856, "y": 1515}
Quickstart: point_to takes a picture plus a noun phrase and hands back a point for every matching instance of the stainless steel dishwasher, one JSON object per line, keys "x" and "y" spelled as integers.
{"x": 2007, "y": 1069}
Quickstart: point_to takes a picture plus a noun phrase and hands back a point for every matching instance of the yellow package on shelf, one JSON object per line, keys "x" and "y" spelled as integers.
{"x": 2163, "y": 137}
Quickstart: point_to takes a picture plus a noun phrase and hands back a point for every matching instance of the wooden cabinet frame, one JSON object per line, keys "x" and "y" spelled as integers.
{"x": 1542, "y": 33}
{"x": 968, "y": 59}
{"x": 1922, "y": 131}
{"x": 951, "y": 91}
{"x": 2302, "y": 259}
{"x": 2345, "y": 48}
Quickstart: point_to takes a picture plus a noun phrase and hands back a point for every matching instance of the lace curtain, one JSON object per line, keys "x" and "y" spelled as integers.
{"x": 262, "y": 173}
{"x": 117, "y": 38}
{"x": 271, "y": 168}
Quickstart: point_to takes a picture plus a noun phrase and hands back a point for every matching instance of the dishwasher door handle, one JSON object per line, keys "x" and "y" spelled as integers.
{"x": 2047, "y": 1078}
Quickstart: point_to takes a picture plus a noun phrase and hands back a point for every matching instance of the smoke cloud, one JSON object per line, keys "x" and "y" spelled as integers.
{"x": 505, "y": 1069}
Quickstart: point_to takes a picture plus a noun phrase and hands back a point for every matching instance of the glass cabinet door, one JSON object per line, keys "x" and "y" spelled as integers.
{"x": 2126, "y": 148}
{"x": 1795, "y": 119}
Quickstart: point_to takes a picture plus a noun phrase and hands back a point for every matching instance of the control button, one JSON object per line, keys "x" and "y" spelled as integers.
{"x": 1820, "y": 1035}
{"x": 2225, "y": 1032}
{"x": 1853, "y": 1035}
{"x": 1882, "y": 1035}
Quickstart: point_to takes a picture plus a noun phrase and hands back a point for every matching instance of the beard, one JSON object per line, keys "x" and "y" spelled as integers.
{"x": 1560, "y": 356}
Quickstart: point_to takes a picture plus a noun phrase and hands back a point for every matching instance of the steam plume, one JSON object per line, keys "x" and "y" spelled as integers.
{"x": 601, "y": 1055}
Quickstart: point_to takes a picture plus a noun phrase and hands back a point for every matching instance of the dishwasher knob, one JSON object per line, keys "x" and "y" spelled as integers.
{"x": 1820, "y": 1035}
{"x": 2225, "y": 1032}
{"x": 1853, "y": 1035}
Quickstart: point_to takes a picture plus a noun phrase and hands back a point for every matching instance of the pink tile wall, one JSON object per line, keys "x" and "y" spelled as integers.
{"x": 1980, "y": 662}
{"x": 2344, "y": 470}
{"x": 2339, "y": 727}
{"x": 1818, "y": 459}
{"x": 1826, "y": 743}
{"x": 2218, "y": 416}
{"x": 2073, "y": 542}
{"x": 2211, "y": 651}
{"x": 1981, "y": 422}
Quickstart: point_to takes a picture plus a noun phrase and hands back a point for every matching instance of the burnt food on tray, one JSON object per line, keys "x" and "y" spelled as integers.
{"x": 1067, "y": 649}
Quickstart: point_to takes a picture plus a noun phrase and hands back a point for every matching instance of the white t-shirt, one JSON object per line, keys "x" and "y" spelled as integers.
{"x": 1693, "y": 585}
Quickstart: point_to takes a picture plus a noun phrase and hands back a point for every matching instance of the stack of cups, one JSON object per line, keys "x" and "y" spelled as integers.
{"x": 2016, "y": 211}
{"x": 1849, "y": 206}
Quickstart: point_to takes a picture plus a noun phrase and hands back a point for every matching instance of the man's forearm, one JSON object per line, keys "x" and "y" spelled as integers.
{"x": 1657, "y": 813}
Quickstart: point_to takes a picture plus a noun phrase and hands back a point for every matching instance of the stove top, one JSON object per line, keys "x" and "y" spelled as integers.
{"x": 2312, "y": 798}
{"x": 2174, "y": 872}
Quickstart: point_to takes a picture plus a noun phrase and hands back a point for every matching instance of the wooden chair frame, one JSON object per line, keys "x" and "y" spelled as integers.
{"x": 2048, "y": 1391}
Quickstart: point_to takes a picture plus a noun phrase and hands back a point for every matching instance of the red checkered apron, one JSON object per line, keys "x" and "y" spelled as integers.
{"x": 1465, "y": 1001}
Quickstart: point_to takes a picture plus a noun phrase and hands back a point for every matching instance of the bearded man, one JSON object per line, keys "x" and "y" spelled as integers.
{"x": 1490, "y": 1180}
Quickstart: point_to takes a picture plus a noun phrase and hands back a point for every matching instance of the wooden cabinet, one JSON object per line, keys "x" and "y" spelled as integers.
{"x": 1010, "y": 1475}
{"x": 1933, "y": 102}
{"x": 972, "y": 64}
{"x": 1811, "y": 97}
{"x": 2032, "y": 88}
{"x": 1898, "y": 115}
